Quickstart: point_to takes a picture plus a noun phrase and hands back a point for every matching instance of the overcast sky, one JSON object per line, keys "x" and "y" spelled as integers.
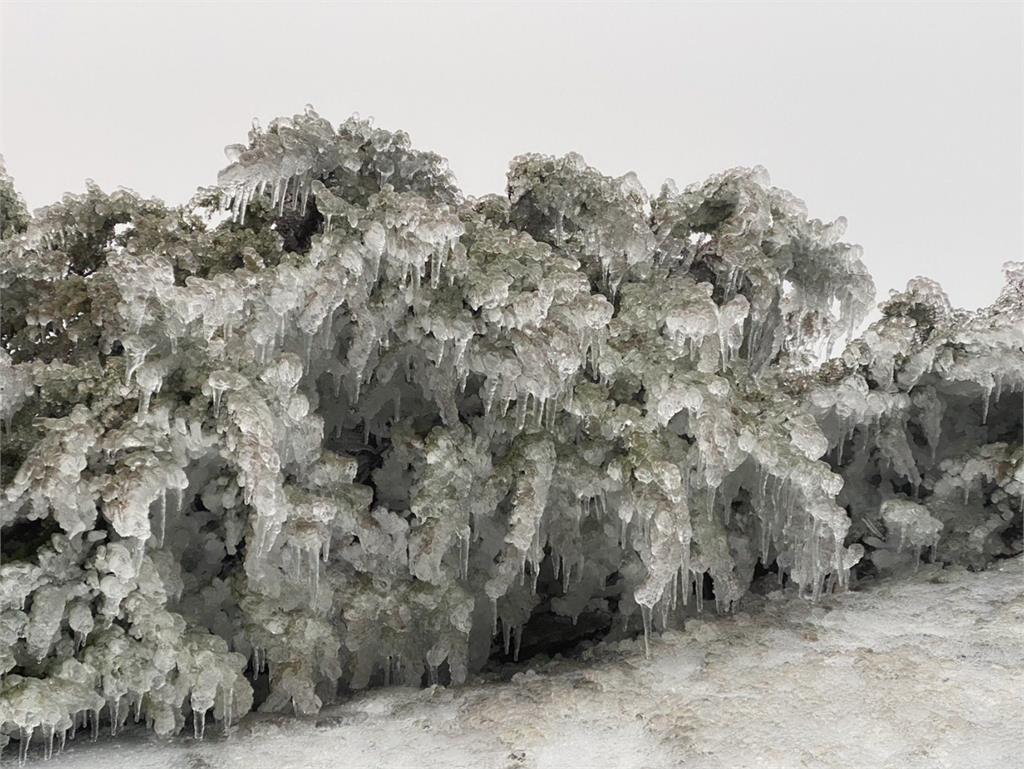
{"x": 907, "y": 119}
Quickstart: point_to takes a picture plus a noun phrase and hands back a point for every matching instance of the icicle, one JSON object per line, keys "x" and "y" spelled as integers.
{"x": 465, "y": 541}
{"x": 435, "y": 269}
{"x": 48, "y": 734}
{"x": 494, "y": 617}
{"x": 308, "y": 351}
{"x": 198, "y": 724}
{"x": 115, "y": 715}
{"x": 229, "y": 704}
{"x": 137, "y": 547}
{"x": 645, "y": 613}
{"x": 313, "y": 556}
{"x": 26, "y": 739}
{"x": 522, "y": 405}
{"x": 144, "y": 397}
{"x": 95, "y": 724}
{"x": 506, "y": 635}
{"x": 161, "y": 519}
{"x": 684, "y": 584}
{"x": 519, "y": 641}
{"x": 137, "y": 359}
{"x": 306, "y": 187}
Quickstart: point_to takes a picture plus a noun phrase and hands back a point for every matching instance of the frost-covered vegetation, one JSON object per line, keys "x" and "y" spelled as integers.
{"x": 332, "y": 424}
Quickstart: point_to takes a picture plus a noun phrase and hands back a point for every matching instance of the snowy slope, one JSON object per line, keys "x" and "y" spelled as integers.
{"x": 921, "y": 672}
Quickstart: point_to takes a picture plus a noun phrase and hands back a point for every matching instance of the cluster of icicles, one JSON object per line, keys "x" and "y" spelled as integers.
{"x": 367, "y": 461}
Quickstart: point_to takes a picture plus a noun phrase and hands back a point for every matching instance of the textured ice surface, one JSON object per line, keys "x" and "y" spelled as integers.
{"x": 363, "y": 430}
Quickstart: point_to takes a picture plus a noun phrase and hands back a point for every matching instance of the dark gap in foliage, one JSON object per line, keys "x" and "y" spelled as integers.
{"x": 547, "y": 633}
{"x": 1013, "y": 539}
{"x": 260, "y": 687}
{"x": 441, "y": 677}
{"x": 21, "y": 540}
{"x": 297, "y": 228}
{"x": 708, "y": 588}
{"x": 760, "y": 570}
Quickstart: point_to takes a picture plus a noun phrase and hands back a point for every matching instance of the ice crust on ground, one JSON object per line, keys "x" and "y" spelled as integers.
{"x": 363, "y": 430}
{"x": 917, "y": 672}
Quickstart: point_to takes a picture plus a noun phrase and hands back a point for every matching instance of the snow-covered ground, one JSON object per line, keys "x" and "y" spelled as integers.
{"x": 926, "y": 671}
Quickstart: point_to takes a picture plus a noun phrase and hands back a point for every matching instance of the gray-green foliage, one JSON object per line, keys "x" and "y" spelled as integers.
{"x": 340, "y": 431}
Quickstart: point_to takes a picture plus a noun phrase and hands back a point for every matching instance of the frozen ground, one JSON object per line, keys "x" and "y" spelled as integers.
{"x": 922, "y": 672}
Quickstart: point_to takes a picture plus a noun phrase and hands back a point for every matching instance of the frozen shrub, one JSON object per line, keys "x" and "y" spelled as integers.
{"x": 335, "y": 422}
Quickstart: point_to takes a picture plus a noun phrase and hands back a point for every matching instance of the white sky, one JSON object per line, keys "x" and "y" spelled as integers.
{"x": 907, "y": 119}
